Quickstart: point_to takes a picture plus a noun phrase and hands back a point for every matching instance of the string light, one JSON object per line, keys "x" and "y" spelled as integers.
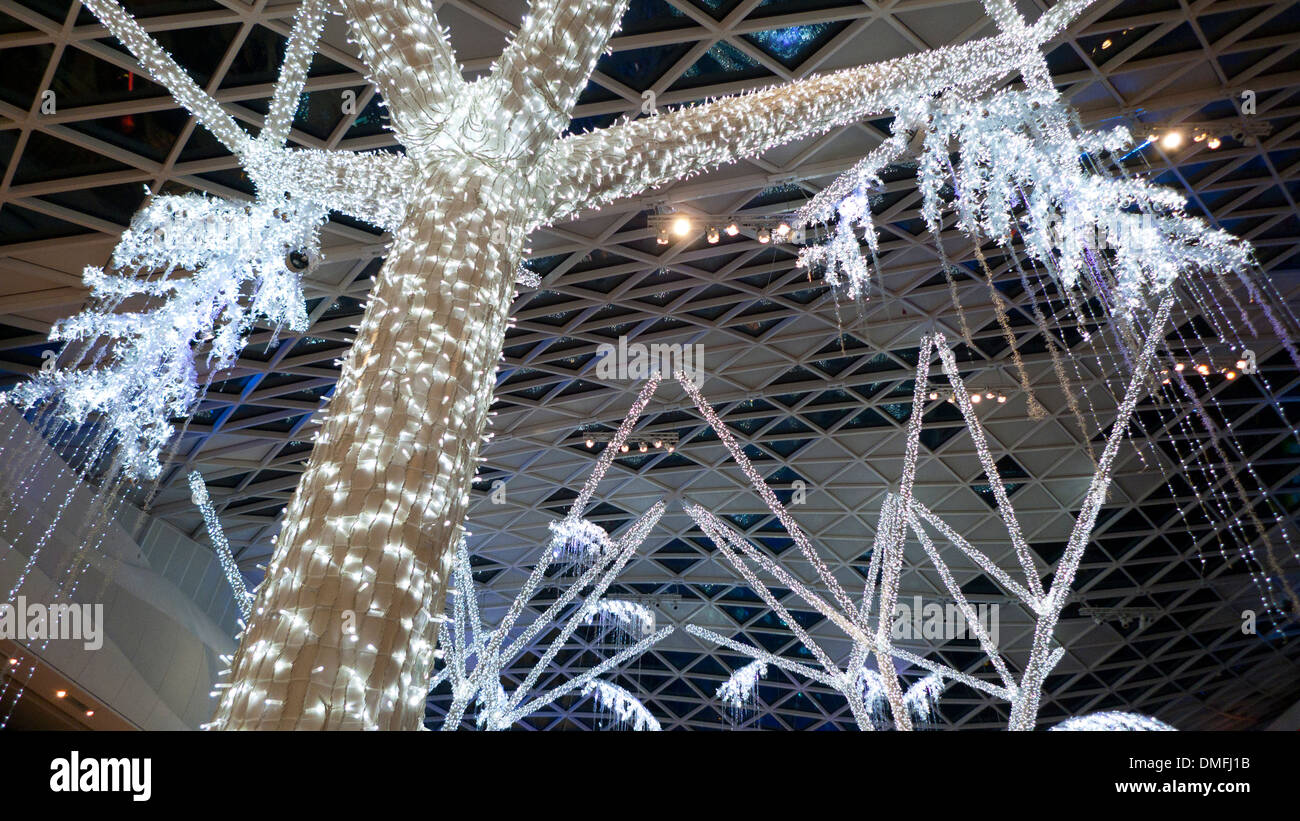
{"x": 486, "y": 158}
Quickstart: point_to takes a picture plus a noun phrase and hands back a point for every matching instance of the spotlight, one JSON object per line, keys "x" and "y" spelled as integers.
{"x": 1179, "y": 367}
{"x": 590, "y": 441}
{"x": 659, "y": 443}
{"x": 783, "y": 229}
{"x": 764, "y": 236}
{"x": 934, "y": 394}
{"x": 1203, "y": 369}
{"x": 988, "y": 395}
{"x": 975, "y": 398}
{"x": 89, "y": 713}
{"x": 1002, "y": 399}
{"x": 671, "y": 448}
{"x": 644, "y": 447}
{"x": 1214, "y": 143}
{"x": 681, "y": 226}
{"x": 1105, "y": 44}
{"x": 60, "y": 693}
{"x": 624, "y": 448}
{"x": 1172, "y": 140}
{"x": 1200, "y": 137}
{"x": 13, "y": 662}
{"x": 1241, "y": 364}
{"x": 732, "y": 229}
{"x": 662, "y": 238}
{"x": 1230, "y": 375}
{"x": 712, "y": 235}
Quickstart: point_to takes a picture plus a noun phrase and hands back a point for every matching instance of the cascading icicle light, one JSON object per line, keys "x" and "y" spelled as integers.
{"x": 147, "y": 375}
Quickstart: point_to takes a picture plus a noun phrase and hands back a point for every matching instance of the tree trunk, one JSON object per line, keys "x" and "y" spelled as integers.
{"x": 348, "y": 609}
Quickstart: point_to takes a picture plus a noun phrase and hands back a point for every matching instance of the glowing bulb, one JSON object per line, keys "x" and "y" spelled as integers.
{"x": 13, "y": 662}
{"x": 1214, "y": 143}
{"x": 590, "y": 441}
{"x": 975, "y": 398}
{"x": 1200, "y": 137}
{"x": 1002, "y": 399}
{"x": 1203, "y": 369}
{"x": 934, "y": 394}
{"x": 671, "y": 448}
{"x": 1105, "y": 44}
{"x": 659, "y": 443}
{"x": 662, "y": 237}
{"x": 712, "y": 235}
{"x": 643, "y": 448}
{"x": 1172, "y": 140}
{"x": 89, "y": 713}
{"x": 732, "y": 229}
{"x": 1179, "y": 367}
{"x": 988, "y": 395}
{"x": 764, "y": 236}
{"x": 681, "y": 226}
{"x": 1241, "y": 364}
{"x": 783, "y": 229}
{"x": 60, "y": 693}
{"x": 1230, "y": 375}
{"x": 623, "y": 449}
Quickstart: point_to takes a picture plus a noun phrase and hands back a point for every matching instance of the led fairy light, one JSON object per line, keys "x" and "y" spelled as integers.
{"x": 899, "y": 512}
{"x": 387, "y": 483}
{"x": 199, "y": 492}
{"x": 476, "y": 657}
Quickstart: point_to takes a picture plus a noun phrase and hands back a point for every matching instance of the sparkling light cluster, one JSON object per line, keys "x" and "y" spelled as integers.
{"x": 1024, "y": 175}
{"x": 140, "y": 369}
{"x": 1113, "y": 721}
{"x": 199, "y": 493}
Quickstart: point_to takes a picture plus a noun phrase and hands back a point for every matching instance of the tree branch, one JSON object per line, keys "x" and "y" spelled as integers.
{"x": 627, "y": 159}
{"x": 369, "y": 186}
{"x": 545, "y": 68}
{"x": 293, "y": 73}
{"x": 160, "y": 67}
{"x": 410, "y": 59}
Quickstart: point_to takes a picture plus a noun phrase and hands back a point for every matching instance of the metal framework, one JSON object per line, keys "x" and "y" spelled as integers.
{"x": 819, "y": 391}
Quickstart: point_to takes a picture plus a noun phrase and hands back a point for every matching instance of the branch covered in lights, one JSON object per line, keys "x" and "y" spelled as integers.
{"x": 476, "y": 657}
{"x": 901, "y": 513}
{"x": 199, "y": 493}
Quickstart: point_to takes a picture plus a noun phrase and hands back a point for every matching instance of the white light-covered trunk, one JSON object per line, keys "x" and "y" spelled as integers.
{"x": 342, "y": 635}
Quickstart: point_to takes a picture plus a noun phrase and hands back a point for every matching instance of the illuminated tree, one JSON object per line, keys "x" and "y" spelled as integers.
{"x": 371, "y": 528}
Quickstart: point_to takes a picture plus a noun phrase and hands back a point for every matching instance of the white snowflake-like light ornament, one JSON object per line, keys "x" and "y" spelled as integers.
{"x": 476, "y": 656}
{"x": 901, "y": 513}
